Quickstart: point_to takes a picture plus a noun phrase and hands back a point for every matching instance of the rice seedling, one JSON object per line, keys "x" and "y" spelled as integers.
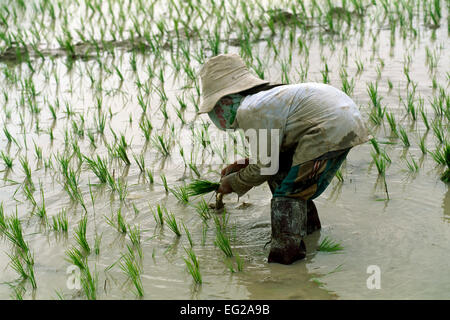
{"x": 438, "y": 131}
{"x": 27, "y": 170}
{"x": 392, "y": 124}
{"x": 9, "y": 136}
{"x": 181, "y": 193}
{"x": 328, "y": 245}
{"x": 140, "y": 161}
{"x": 404, "y": 137}
{"x": 130, "y": 267}
{"x": 202, "y": 209}
{"x": 23, "y": 264}
{"x": 188, "y": 234}
{"x": 99, "y": 168}
{"x": 422, "y": 145}
{"x": 134, "y": 233}
{"x": 192, "y": 265}
{"x": 149, "y": 176}
{"x": 425, "y": 118}
{"x": 146, "y": 127}
{"x": 223, "y": 242}
{"x": 121, "y": 153}
{"x": 194, "y": 168}
{"x": 41, "y": 212}
{"x": 380, "y": 163}
{"x": 7, "y": 160}
{"x": 3, "y": 222}
{"x": 164, "y": 181}
{"x": 60, "y": 222}
{"x": 122, "y": 189}
{"x": 239, "y": 262}
{"x": 81, "y": 235}
{"x": 158, "y": 215}
{"x": 14, "y": 233}
{"x": 412, "y": 165}
{"x": 89, "y": 281}
{"x": 172, "y": 223}
{"x": 162, "y": 145}
{"x": 199, "y": 187}
{"x": 119, "y": 224}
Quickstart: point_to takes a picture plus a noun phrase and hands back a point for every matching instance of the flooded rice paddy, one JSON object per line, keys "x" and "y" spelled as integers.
{"x": 99, "y": 129}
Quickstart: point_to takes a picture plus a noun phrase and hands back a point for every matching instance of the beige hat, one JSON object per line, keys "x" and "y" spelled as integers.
{"x": 223, "y": 75}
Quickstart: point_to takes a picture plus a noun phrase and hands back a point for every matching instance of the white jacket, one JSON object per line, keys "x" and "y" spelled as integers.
{"x": 313, "y": 118}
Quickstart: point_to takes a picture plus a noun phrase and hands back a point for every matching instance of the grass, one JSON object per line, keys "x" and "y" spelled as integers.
{"x": 328, "y": 245}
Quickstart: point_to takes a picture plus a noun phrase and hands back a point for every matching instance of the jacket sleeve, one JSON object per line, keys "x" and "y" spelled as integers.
{"x": 247, "y": 178}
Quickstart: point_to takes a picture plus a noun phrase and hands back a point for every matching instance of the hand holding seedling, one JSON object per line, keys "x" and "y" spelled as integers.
{"x": 225, "y": 186}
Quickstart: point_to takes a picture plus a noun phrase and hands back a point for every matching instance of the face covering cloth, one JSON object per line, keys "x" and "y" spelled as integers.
{"x": 224, "y": 111}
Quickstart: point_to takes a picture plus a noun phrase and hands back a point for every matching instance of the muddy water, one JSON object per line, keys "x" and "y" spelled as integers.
{"x": 407, "y": 237}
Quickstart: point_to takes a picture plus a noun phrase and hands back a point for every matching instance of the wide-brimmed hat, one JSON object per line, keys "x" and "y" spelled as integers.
{"x": 223, "y": 75}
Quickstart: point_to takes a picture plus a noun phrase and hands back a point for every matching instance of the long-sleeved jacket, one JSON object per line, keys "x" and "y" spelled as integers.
{"x": 313, "y": 118}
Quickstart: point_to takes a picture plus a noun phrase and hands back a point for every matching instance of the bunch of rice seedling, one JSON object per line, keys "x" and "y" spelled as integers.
{"x": 328, "y": 245}
{"x": 199, "y": 187}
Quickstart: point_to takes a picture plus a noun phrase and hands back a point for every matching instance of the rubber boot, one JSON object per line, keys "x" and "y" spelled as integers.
{"x": 313, "y": 222}
{"x": 288, "y": 217}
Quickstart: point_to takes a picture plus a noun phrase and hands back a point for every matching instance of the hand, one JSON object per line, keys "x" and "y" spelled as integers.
{"x": 234, "y": 167}
{"x": 225, "y": 186}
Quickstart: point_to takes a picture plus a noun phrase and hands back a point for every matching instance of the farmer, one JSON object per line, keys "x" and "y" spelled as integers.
{"x": 317, "y": 126}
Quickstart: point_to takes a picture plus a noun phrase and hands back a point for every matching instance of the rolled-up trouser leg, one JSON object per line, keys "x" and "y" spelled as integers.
{"x": 288, "y": 217}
